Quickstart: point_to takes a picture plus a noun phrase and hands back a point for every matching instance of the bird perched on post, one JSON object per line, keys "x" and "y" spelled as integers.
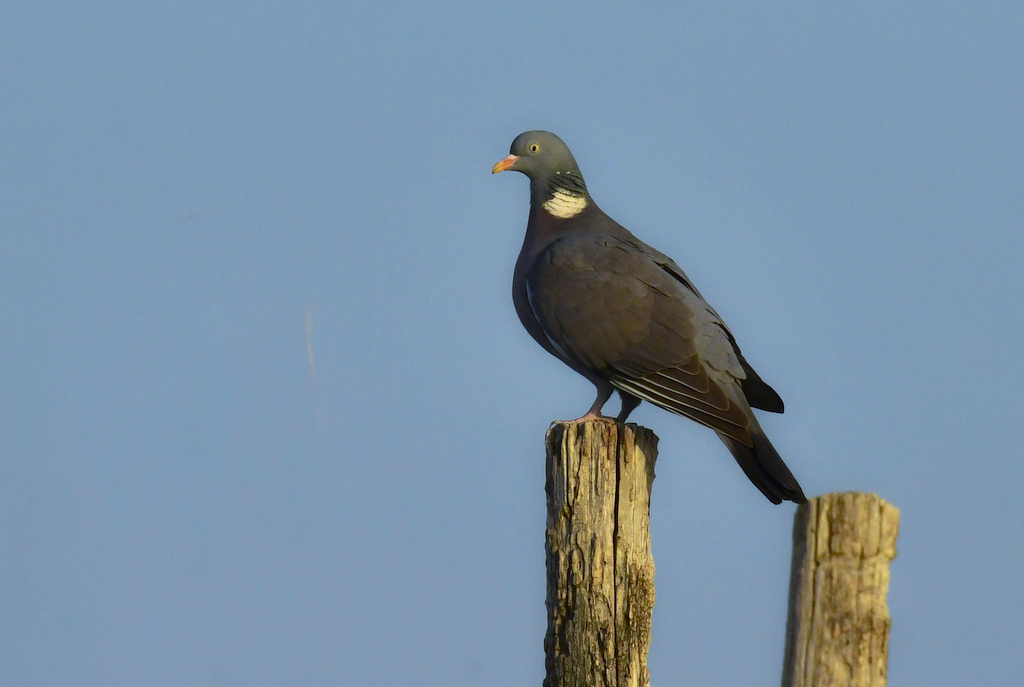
{"x": 627, "y": 318}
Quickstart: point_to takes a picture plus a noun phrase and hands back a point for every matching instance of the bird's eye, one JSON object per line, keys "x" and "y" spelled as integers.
{"x": 534, "y": 147}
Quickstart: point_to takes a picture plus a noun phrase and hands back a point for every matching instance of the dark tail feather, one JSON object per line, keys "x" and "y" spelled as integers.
{"x": 764, "y": 467}
{"x": 758, "y": 393}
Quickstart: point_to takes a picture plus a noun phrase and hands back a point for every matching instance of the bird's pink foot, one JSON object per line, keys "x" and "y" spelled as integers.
{"x": 592, "y": 415}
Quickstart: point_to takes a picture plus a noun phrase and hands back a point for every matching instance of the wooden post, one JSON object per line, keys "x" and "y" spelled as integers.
{"x": 599, "y": 566}
{"x": 837, "y": 632}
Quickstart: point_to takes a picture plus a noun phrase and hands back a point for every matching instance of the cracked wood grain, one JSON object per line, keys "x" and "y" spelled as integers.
{"x": 837, "y": 632}
{"x": 600, "y": 572}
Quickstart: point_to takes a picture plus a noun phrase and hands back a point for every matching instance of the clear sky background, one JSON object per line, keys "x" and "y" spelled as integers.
{"x": 194, "y": 196}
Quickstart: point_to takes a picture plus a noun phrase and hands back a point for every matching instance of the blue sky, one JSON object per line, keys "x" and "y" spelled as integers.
{"x": 192, "y": 197}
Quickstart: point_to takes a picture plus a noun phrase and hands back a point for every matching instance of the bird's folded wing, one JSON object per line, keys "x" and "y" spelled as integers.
{"x": 610, "y": 307}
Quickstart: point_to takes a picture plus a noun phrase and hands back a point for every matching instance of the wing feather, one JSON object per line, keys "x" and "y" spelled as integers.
{"x": 610, "y": 308}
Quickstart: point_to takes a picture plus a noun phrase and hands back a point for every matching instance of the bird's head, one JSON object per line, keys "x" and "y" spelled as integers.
{"x": 538, "y": 154}
{"x": 555, "y": 178}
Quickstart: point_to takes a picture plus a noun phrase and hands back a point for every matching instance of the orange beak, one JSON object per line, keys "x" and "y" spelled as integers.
{"x": 504, "y": 164}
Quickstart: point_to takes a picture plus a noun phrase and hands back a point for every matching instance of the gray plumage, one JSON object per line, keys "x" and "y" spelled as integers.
{"x": 627, "y": 318}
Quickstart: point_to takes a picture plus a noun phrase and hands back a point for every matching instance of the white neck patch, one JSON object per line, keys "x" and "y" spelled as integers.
{"x": 563, "y": 204}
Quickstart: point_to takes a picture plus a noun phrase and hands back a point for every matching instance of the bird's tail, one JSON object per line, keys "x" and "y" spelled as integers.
{"x": 765, "y": 468}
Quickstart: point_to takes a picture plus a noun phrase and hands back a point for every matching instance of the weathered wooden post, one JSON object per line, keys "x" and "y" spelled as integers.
{"x": 837, "y": 632}
{"x": 599, "y": 566}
